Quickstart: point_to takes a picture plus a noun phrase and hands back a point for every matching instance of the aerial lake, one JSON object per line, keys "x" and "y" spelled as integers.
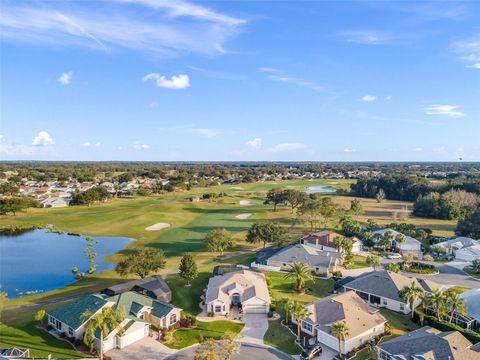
{"x": 319, "y": 189}
{"x": 39, "y": 260}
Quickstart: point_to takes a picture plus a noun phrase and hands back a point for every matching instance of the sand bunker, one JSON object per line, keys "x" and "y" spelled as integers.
{"x": 245, "y": 202}
{"x": 157, "y": 226}
{"x": 243, "y": 216}
{"x": 237, "y": 188}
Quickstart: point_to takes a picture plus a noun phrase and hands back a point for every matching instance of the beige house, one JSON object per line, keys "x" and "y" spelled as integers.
{"x": 246, "y": 289}
{"x": 363, "y": 321}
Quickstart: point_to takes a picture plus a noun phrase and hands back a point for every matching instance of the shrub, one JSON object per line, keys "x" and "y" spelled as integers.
{"x": 428, "y": 258}
{"x": 210, "y": 314}
{"x": 270, "y": 314}
{"x": 49, "y": 327}
{"x": 337, "y": 273}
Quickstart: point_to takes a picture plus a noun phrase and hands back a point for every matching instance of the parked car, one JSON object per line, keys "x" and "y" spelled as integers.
{"x": 394, "y": 256}
{"x": 311, "y": 353}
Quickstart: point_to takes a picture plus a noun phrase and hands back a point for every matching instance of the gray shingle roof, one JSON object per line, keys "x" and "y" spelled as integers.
{"x": 305, "y": 254}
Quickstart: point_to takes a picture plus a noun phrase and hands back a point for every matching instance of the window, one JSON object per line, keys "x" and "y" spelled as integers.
{"x": 307, "y": 326}
{"x": 384, "y": 301}
{"x": 218, "y": 308}
{"x": 58, "y": 325}
{"x": 51, "y": 320}
{"x": 173, "y": 319}
{"x": 70, "y": 331}
{"x": 223, "y": 307}
{"x": 402, "y": 306}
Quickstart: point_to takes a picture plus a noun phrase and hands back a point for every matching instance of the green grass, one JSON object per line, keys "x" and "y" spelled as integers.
{"x": 471, "y": 272}
{"x": 399, "y": 323}
{"x": 459, "y": 289}
{"x": 358, "y": 262}
{"x": 280, "y": 338}
{"x": 215, "y": 329}
{"x": 366, "y": 354}
{"x": 284, "y": 288}
{"x": 18, "y": 330}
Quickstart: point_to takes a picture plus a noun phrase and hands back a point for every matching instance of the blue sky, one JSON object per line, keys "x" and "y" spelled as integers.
{"x": 240, "y": 80}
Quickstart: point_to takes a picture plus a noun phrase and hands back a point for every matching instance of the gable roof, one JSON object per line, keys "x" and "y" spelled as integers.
{"x": 472, "y": 300}
{"x": 71, "y": 313}
{"x": 408, "y": 239}
{"x": 250, "y": 284}
{"x": 458, "y": 242}
{"x": 386, "y": 284}
{"x": 431, "y": 344}
{"x": 347, "y": 307}
{"x": 306, "y": 254}
{"x": 155, "y": 284}
{"x": 131, "y": 302}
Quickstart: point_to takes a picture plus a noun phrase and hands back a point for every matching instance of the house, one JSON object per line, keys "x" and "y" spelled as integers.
{"x": 380, "y": 289}
{"x": 153, "y": 286}
{"x": 469, "y": 253}
{"x": 464, "y": 248}
{"x": 428, "y": 343}
{"x": 364, "y": 322}
{"x": 472, "y": 301}
{"x": 324, "y": 240}
{"x": 245, "y": 288}
{"x": 410, "y": 246}
{"x": 140, "y": 312}
{"x": 55, "y": 202}
{"x": 320, "y": 261}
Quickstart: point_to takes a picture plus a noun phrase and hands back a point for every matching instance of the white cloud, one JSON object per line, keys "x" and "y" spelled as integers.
{"x": 267, "y": 69}
{"x": 204, "y": 132}
{"x": 88, "y": 144}
{"x": 299, "y": 82}
{"x": 347, "y": 150}
{"x": 181, "y": 81}
{"x": 446, "y": 110}
{"x": 365, "y": 37}
{"x": 388, "y": 98}
{"x": 65, "y": 78}
{"x": 254, "y": 144}
{"x": 368, "y": 98}
{"x": 165, "y": 27}
{"x": 418, "y": 149}
{"x": 469, "y": 51}
{"x": 287, "y": 147}
{"x": 42, "y": 139}
{"x": 140, "y": 146}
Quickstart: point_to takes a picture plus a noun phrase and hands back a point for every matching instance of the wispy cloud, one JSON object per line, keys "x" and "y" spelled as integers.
{"x": 287, "y": 147}
{"x": 164, "y": 27}
{"x": 348, "y": 150}
{"x": 181, "y": 81}
{"x": 140, "y": 146}
{"x": 445, "y": 110}
{"x": 469, "y": 51}
{"x": 368, "y": 98}
{"x": 65, "y": 78}
{"x": 365, "y": 37}
{"x": 298, "y": 81}
{"x": 207, "y": 132}
{"x": 89, "y": 144}
{"x": 254, "y": 144}
{"x": 267, "y": 69}
{"x": 418, "y": 149}
{"x": 43, "y": 139}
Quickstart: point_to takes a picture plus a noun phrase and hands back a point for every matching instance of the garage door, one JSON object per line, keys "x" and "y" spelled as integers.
{"x": 255, "y": 309}
{"x": 134, "y": 336}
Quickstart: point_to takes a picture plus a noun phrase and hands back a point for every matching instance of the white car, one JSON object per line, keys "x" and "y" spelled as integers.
{"x": 394, "y": 256}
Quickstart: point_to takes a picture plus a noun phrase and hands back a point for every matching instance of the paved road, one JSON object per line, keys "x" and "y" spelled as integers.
{"x": 247, "y": 352}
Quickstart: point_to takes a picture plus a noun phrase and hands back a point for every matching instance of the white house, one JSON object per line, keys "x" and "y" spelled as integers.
{"x": 411, "y": 245}
{"x": 141, "y": 312}
{"x": 464, "y": 248}
{"x": 245, "y": 288}
{"x": 363, "y": 321}
{"x": 55, "y": 202}
{"x": 469, "y": 253}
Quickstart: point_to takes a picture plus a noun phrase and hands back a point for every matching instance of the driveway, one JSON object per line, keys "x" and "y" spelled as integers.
{"x": 247, "y": 352}
{"x": 256, "y": 326}
{"x": 145, "y": 349}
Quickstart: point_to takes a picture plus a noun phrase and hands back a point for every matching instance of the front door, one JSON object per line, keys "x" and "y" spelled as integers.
{"x": 236, "y": 299}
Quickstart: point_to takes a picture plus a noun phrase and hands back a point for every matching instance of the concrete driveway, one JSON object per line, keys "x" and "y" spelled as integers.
{"x": 256, "y": 326}
{"x": 145, "y": 349}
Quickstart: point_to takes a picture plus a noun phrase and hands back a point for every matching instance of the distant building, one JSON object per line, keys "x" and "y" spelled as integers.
{"x": 411, "y": 245}
{"x": 153, "y": 286}
{"x": 324, "y": 240}
{"x": 55, "y": 202}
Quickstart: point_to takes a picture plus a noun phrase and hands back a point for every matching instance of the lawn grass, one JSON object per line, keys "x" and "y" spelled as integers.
{"x": 280, "y": 338}
{"x": 459, "y": 289}
{"x": 471, "y": 272}
{"x": 399, "y": 323}
{"x": 358, "y": 262}
{"x": 18, "y": 330}
{"x": 215, "y": 329}
{"x": 284, "y": 288}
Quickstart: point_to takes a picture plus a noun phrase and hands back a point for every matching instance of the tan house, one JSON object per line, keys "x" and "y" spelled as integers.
{"x": 363, "y": 321}
{"x": 245, "y": 288}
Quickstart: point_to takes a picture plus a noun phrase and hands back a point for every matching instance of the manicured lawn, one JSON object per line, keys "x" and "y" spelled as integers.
{"x": 280, "y": 338}
{"x": 399, "y": 323}
{"x": 366, "y": 354}
{"x": 358, "y": 262}
{"x": 18, "y": 330}
{"x": 214, "y": 329}
{"x": 471, "y": 272}
{"x": 284, "y": 288}
{"x": 459, "y": 289}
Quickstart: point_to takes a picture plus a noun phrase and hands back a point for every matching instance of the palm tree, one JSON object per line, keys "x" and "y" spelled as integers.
{"x": 299, "y": 312}
{"x": 426, "y": 301}
{"x": 340, "y": 331}
{"x": 411, "y": 294}
{"x": 288, "y": 307}
{"x": 438, "y": 302}
{"x": 400, "y": 239}
{"x": 301, "y": 273}
{"x": 106, "y": 321}
{"x": 373, "y": 261}
{"x": 456, "y": 304}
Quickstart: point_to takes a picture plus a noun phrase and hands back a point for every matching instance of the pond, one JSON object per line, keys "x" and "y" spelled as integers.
{"x": 319, "y": 189}
{"x": 39, "y": 260}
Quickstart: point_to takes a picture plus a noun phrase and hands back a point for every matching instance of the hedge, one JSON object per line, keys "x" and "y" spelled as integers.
{"x": 432, "y": 321}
